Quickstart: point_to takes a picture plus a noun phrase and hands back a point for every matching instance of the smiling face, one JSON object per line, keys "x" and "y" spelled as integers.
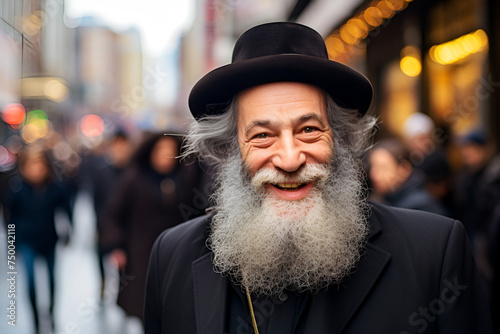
{"x": 283, "y": 127}
{"x": 289, "y": 209}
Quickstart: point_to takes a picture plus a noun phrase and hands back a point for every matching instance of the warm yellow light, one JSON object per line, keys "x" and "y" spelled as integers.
{"x": 35, "y": 130}
{"x": 395, "y": 5}
{"x": 335, "y": 44}
{"x": 56, "y": 91}
{"x": 373, "y": 16}
{"x": 384, "y": 9}
{"x": 410, "y": 66}
{"x": 459, "y": 48}
{"x": 347, "y": 36}
{"x": 471, "y": 44}
{"x": 51, "y": 88}
{"x": 357, "y": 28}
{"x": 482, "y": 37}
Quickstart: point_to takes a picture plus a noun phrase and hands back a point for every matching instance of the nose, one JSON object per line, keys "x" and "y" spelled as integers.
{"x": 289, "y": 156}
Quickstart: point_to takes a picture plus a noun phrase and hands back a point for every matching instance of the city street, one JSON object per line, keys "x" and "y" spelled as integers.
{"x": 77, "y": 307}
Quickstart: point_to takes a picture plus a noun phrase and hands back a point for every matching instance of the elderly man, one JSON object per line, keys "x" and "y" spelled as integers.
{"x": 292, "y": 246}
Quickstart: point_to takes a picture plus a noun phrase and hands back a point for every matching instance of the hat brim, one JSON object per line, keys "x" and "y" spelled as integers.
{"x": 348, "y": 88}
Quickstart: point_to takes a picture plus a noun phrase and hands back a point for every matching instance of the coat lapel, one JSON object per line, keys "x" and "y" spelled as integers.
{"x": 210, "y": 292}
{"x": 339, "y": 304}
{"x": 357, "y": 287}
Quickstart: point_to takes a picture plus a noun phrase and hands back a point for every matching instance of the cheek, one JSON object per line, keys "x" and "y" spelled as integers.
{"x": 255, "y": 160}
{"x": 321, "y": 154}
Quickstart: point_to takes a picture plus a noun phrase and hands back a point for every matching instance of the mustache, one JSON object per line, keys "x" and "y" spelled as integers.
{"x": 317, "y": 173}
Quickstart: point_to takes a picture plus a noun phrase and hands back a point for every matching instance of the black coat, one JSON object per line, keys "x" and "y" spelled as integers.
{"x": 416, "y": 275}
{"x": 139, "y": 212}
{"x": 32, "y": 210}
{"x": 412, "y": 195}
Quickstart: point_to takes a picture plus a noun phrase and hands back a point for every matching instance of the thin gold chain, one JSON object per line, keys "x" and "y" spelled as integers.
{"x": 254, "y": 323}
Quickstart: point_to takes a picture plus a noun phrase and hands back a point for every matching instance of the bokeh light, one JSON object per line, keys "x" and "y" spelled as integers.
{"x": 7, "y": 159}
{"x": 373, "y": 16}
{"x": 92, "y": 125}
{"x": 459, "y": 48}
{"x": 14, "y": 113}
{"x": 411, "y": 66}
{"x": 56, "y": 90}
{"x": 33, "y": 24}
{"x": 51, "y": 88}
{"x": 34, "y": 130}
{"x": 36, "y": 114}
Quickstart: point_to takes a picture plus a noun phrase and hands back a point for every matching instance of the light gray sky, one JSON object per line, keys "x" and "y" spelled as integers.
{"x": 159, "y": 21}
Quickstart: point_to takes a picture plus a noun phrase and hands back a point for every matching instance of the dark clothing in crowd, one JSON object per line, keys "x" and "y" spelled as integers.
{"x": 143, "y": 205}
{"x": 32, "y": 210}
{"x": 412, "y": 195}
{"x": 416, "y": 275}
{"x": 103, "y": 176}
{"x": 470, "y": 197}
{"x": 439, "y": 179}
{"x": 487, "y": 230}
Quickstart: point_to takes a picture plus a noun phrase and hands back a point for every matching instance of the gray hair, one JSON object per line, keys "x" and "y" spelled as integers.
{"x": 214, "y": 138}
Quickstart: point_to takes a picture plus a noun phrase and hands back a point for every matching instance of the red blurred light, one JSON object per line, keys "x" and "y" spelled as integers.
{"x": 14, "y": 113}
{"x": 92, "y": 125}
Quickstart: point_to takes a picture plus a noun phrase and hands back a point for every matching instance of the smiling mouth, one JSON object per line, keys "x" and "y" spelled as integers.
{"x": 289, "y": 186}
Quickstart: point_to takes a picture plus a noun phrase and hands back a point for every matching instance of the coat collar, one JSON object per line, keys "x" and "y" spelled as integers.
{"x": 210, "y": 289}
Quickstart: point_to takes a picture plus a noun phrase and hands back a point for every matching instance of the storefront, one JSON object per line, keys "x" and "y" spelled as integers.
{"x": 435, "y": 57}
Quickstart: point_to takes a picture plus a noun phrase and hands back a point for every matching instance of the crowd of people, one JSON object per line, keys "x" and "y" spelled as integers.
{"x": 418, "y": 171}
{"x": 137, "y": 186}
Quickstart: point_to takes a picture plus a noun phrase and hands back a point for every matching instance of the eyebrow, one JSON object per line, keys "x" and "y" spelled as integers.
{"x": 263, "y": 123}
{"x": 312, "y": 116}
{"x": 300, "y": 120}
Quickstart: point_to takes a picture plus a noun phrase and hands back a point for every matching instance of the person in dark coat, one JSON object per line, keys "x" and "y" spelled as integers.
{"x": 148, "y": 198}
{"x": 292, "y": 246}
{"x": 104, "y": 174}
{"x": 30, "y": 204}
{"x": 394, "y": 180}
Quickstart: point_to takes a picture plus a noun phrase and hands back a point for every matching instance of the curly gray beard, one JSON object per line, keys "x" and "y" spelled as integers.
{"x": 269, "y": 245}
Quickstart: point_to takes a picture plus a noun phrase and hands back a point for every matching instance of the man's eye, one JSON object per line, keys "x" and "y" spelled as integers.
{"x": 309, "y": 129}
{"x": 260, "y": 136}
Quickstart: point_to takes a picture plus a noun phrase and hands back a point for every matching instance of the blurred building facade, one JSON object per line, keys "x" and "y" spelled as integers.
{"x": 21, "y": 52}
{"x": 437, "y": 57}
{"x": 52, "y": 75}
{"x": 109, "y": 70}
{"x": 36, "y": 68}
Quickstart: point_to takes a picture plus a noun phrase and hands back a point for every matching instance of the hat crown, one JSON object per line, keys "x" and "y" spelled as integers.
{"x": 279, "y": 38}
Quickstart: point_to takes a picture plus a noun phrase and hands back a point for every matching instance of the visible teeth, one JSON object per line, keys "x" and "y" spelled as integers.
{"x": 288, "y": 185}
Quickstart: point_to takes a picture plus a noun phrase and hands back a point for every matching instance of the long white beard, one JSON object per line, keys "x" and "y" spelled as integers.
{"x": 268, "y": 244}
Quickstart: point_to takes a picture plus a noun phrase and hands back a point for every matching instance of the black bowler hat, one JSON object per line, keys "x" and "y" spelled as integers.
{"x": 279, "y": 52}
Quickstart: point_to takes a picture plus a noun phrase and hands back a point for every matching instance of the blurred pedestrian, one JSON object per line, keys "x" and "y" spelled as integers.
{"x": 146, "y": 201}
{"x": 472, "y": 190}
{"x": 30, "y": 203}
{"x": 394, "y": 180}
{"x": 478, "y": 200}
{"x": 104, "y": 174}
{"x": 426, "y": 146}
